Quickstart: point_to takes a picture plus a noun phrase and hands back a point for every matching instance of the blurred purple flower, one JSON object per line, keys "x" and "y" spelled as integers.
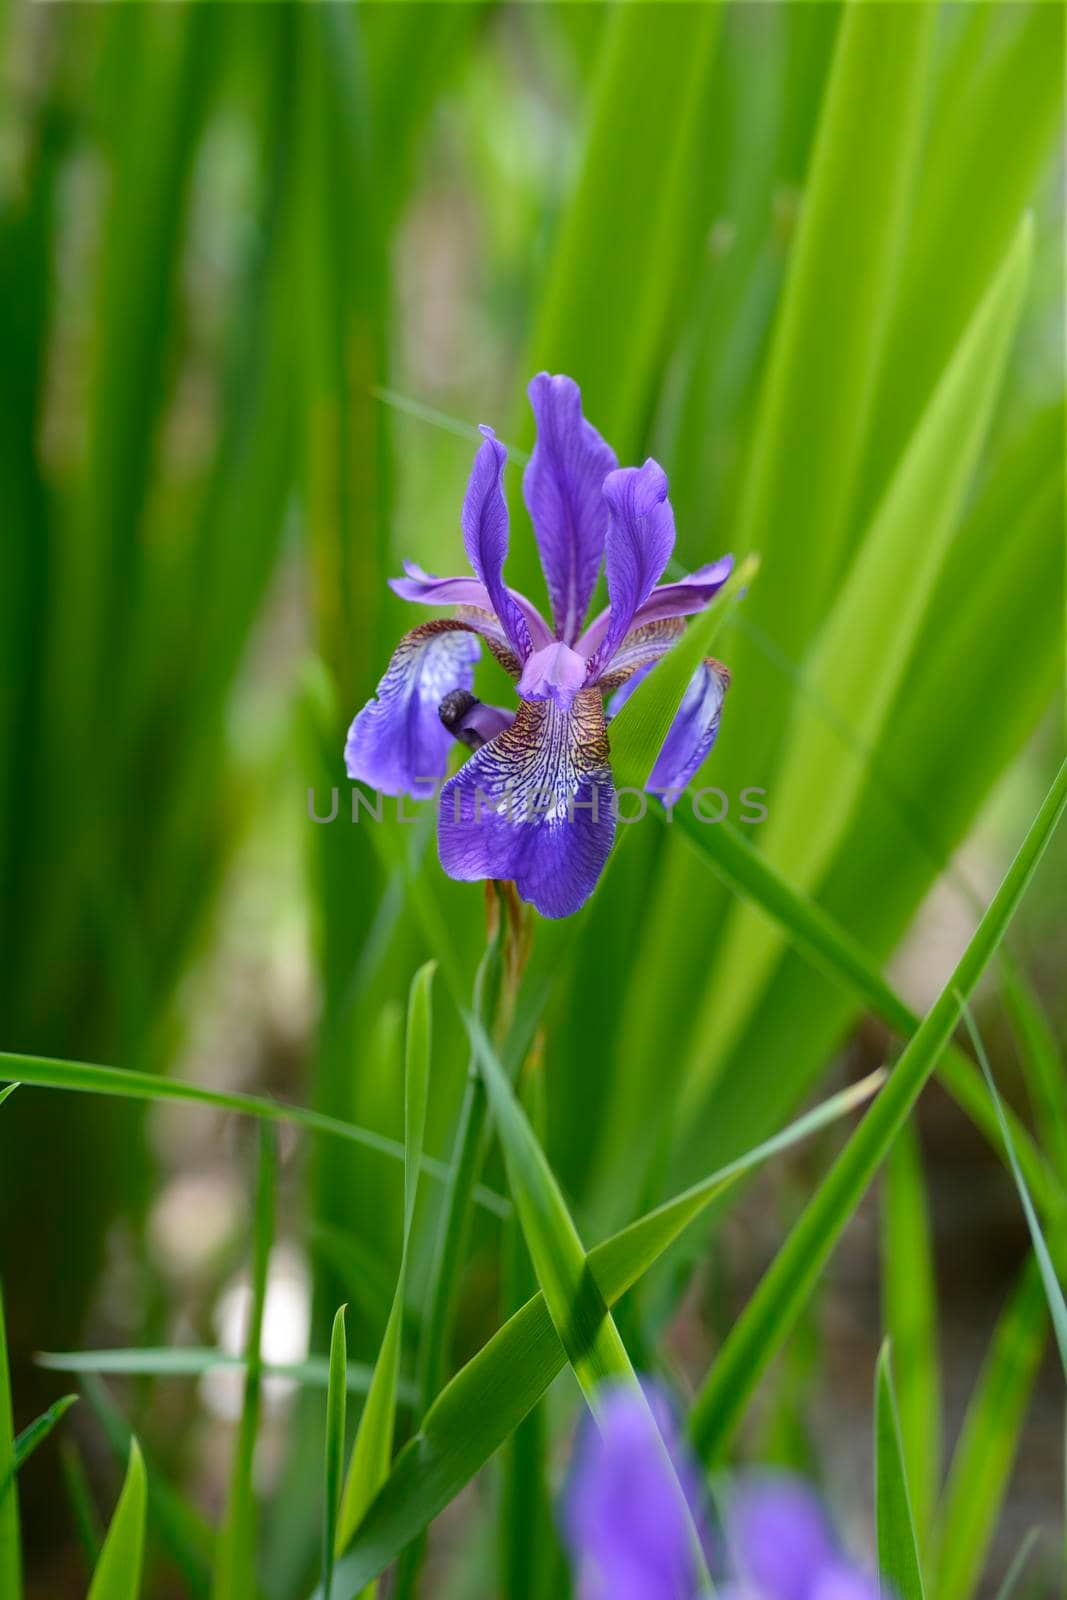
{"x": 626, "y": 1528}
{"x": 536, "y": 801}
{"x": 624, "y": 1521}
{"x": 783, "y": 1546}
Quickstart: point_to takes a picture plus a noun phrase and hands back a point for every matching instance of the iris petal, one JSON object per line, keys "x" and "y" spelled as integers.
{"x": 397, "y": 743}
{"x": 485, "y": 535}
{"x": 563, "y": 489}
{"x": 638, "y": 546}
{"x": 694, "y": 729}
{"x": 535, "y": 805}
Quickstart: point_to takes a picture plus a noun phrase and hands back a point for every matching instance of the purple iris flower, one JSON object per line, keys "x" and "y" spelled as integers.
{"x": 783, "y": 1545}
{"x": 624, "y": 1522}
{"x": 629, "y": 1538}
{"x": 536, "y": 801}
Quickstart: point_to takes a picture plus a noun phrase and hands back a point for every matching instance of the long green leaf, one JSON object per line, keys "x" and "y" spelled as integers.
{"x": 1053, "y": 1288}
{"x": 191, "y": 1361}
{"x": 234, "y": 1576}
{"x": 909, "y": 1312}
{"x": 833, "y": 950}
{"x": 989, "y": 1439}
{"x": 126, "y": 1083}
{"x": 373, "y": 1449}
{"x": 1042, "y": 1062}
{"x": 36, "y": 1432}
{"x": 335, "y": 1446}
{"x": 898, "y": 1550}
{"x": 490, "y": 1396}
{"x": 10, "y": 1089}
{"x": 118, "y": 1571}
{"x": 10, "y": 1559}
{"x": 769, "y": 1316}
{"x": 863, "y": 650}
{"x": 579, "y": 1313}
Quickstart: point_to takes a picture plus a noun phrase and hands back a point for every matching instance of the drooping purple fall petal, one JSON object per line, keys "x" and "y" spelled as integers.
{"x": 397, "y": 743}
{"x": 624, "y": 1521}
{"x": 485, "y": 535}
{"x": 641, "y": 649}
{"x": 535, "y": 805}
{"x": 693, "y": 731}
{"x": 563, "y": 489}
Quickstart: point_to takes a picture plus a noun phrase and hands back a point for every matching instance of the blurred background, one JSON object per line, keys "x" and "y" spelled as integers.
{"x": 262, "y": 271}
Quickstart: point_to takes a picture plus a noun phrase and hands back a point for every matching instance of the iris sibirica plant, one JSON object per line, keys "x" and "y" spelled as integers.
{"x": 625, "y": 1526}
{"x": 536, "y": 801}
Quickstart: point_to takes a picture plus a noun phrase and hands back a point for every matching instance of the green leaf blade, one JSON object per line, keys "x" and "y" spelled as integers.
{"x": 118, "y": 1571}
{"x": 898, "y": 1550}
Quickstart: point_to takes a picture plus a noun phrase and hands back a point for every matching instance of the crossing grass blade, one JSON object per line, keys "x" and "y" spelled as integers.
{"x": 898, "y": 1550}
{"x": 982, "y": 1461}
{"x": 234, "y": 1575}
{"x": 584, "y": 1324}
{"x": 118, "y": 1571}
{"x": 1053, "y": 1289}
{"x": 335, "y": 1446}
{"x": 770, "y": 1315}
{"x": 10, "y": 1557}
{"x": 490, "y": 1396}
{"x": 909, "y": 1313}
{"x": 83, "y": 1077}
{"x": 833, "y": 950}
{"x": 10, "y": 1089}
{"x": 36, "y": 1432}
{"x": 372, "y": 1452}
{"x": 1018, "y": 1565}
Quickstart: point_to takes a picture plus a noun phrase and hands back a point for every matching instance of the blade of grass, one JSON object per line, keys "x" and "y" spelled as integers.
{"x": 82, "y": 1508}
{"x": 87, "y": 1078}
{"x": 10, "y": 1557}
{"x": 118, "y": 1571}
{"x": 234, "y": 1575}
{"x": 186, "y": 1536}
{"x": 862, "y": 652}
{"x": 1053, "y": 1290}
{"x": 909, "y": 1312}
{"x": 1042, "y": 1062}
{"x": 10, "y": 1089}
{"x": 833, "y": 950}
{"x": 36, "y": 1432}
{"x": 488, "y": 1398}
{"x": 898, "y": 1550}
{"x": 1018, "y": 1565}
{"x": 190, "y": 1361}
{"x": 983, "y": 1457}
{"x": 771, "y": 1313}
{"x": 335, "y": 1446}
{"x": 373, "y": 1448}
{"x": 578, "y": 1310}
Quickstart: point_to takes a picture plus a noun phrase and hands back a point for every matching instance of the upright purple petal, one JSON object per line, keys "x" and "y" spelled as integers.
{"x": 485, "y": 535}
{"x": 694, "y": 729}
{"x": 781, "y": 1539}
{"x": 563, "y": 489}
{"x": 535, "y": 805}
{"x": 638, "y": 546}
{"x": 624, "y": 1521}
{"x": 397, "y": 743}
